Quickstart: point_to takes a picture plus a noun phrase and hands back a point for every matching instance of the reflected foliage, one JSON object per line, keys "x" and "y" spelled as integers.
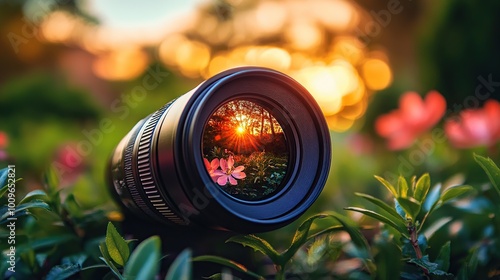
{"x": 245, "y": 150}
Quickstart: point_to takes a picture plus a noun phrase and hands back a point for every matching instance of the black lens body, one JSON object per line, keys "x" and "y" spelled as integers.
{"x": 158, "y": 172}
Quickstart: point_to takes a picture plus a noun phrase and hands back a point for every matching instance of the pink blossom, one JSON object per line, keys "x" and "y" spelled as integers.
{"x": 229, "y": 173}
{"x": 212, "y": 167}
{"x": 69, "y": 163}
{"x": 415, "y": 116}
{"x": 475, "y": 127}
{"x": 4, "y": 140}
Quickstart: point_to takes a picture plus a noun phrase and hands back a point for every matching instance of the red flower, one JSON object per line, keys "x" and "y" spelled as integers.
{"x": 69, "y": 164}
{"x": 4, "y": 140}
{"x": 475, "y": 127}
{"x": 415, "y": 116}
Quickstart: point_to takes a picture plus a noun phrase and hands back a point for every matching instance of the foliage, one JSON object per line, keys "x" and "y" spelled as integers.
{"x": 264, "y": 172}
{"x": 58, "y": 239}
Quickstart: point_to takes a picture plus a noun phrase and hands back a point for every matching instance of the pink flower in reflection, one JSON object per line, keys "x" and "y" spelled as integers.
{"x": 414, "y": 117}
{"x": 229, "y": 173}
{"x": 479, "y": 127}
{"x": 212, "y": 167}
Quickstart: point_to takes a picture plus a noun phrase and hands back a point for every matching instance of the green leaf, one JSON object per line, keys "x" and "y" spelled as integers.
{"x": 143, "y": 262}
{"x": 3, "y": 176}
{"x": 352, "y": 229}
{"x": 51, "y": 180}
{"x": 472, "y": 262}
{"x": 430, "y": 267}
{"x": 229, "y": 263}
{"x": 422, "y": 188}
{"x": 117, "y": 247}
{"x": 317, "y": 250}
{"x": 3, "y": 181}
{"x": 327, "y": 230}
{"x": 217, "y": 276}
{"x": 402, "y": 187}
{"x": 400, "y": 228}
{"x": 388, "y": 260}
{"x": 45, "y": 242}
{"x": 491, "y": 170}
{"x": 22, "y": 207}
{"x": 300, "y": 238}
{"x": 411, "y": 206}
{"x": 3, "y": 190}
{"x": 432, "y": 198}
{"x": 258, "y": 244}
{"x": 391, "y": 212}
{"x": 61, "y": 272}
{"x": 455, "y": 192}
{"x": 388, "y": 185}
{"x": 36, "y": 194}
{"x": 106, "y": 258}
{"x": 468, "y": 269}
{"x": 181, "y": 267}
{"x": 443, "y": 258}
{"x": 73, "y": 208}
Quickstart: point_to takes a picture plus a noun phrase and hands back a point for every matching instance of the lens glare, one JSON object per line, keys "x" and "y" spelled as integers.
{"x": 245, "y": 150}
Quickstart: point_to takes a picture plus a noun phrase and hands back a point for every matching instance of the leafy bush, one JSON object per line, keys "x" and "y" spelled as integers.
{"x": 58, "y": 239}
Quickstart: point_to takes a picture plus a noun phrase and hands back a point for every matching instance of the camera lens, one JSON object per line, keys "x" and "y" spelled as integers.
{"x": 248, "y": 150}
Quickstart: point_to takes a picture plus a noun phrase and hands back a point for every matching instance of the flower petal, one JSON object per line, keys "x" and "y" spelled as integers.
{"x": 239, "y": 175}
{"x": 232, "y": 181}
{"x": 492, "y": 108}
{"x": 412, "y": 107}
{"x": 475, "y": 125}
{"x": 215, "y": 177}
{"x": 239, "y": 168}
{"x": 388, "y": 124}
{"x": 215, "y": 163}
{"x": 456, "y": 135}
{"x": 207, "y": 164}
{"x": 230, "y": 162}
{"x": 219, "y": 172}
{"x": 435, "y": 107}
{"x": 223, "y": 165}
{"x": 222, "y": 180}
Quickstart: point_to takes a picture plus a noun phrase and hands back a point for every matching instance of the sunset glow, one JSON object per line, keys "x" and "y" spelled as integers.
{"x": 240, "y": 130}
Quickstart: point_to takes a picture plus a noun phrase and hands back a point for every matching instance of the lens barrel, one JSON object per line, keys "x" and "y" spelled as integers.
{"x": 248, "y": 150}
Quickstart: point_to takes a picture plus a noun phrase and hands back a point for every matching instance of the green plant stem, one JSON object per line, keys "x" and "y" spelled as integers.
{"x": 414, "y": 243}
{"x": 280, "y": 273}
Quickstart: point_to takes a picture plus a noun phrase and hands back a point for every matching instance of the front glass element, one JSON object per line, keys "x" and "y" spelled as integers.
{"x": 245, "y": 150}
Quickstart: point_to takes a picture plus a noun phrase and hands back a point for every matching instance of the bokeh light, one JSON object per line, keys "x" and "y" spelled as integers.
{"x": 314, "y": 42}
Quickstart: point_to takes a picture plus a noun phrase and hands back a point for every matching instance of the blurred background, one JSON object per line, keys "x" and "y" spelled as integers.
{"x": 76, "y": 76}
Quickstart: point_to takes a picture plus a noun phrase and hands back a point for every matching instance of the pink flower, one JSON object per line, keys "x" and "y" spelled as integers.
{"x": 4, "y": 140}
{"x": 229, "y": 173}
{"x": 479, "y": 127}
{"x": 212, "y": 167}
{"x": 69, "y": 164}
{"x": 414, "y": 117}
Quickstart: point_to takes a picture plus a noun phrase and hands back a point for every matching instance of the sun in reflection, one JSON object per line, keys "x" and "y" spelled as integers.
{"x": 240, "y": 130}
{"x": 244, "y": 127}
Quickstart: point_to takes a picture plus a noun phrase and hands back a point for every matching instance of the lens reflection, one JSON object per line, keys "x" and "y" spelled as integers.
{"x": 245, "y": 151}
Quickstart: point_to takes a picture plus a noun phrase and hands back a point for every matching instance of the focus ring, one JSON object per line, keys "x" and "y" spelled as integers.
{"x": 129, "y": 175}
{"x": 146, "y": 176}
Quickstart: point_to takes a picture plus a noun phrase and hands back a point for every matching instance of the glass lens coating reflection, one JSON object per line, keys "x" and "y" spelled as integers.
{"x": 245, "y": 150}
